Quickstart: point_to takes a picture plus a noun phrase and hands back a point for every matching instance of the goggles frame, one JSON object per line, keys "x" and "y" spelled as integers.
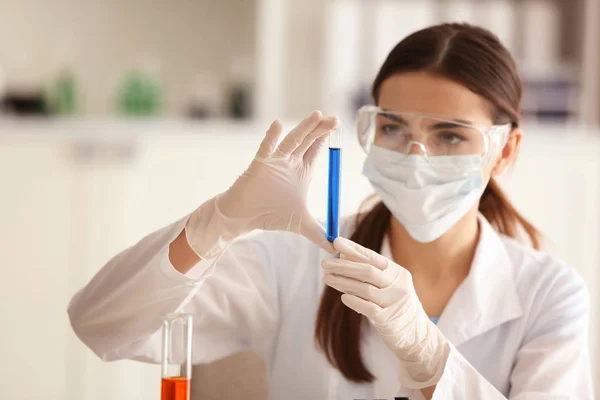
{"x": 494, "y": 136}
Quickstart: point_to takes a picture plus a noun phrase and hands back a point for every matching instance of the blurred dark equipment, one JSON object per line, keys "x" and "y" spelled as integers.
{"x": 198, "y": 112}
{"x": 25, "y": 103}
{"x": 361, "y": 97}
{"x": 239, "y": 106}
{"x": 550, "y": 100}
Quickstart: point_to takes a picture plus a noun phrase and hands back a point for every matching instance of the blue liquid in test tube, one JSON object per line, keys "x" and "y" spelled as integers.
{"x": 333, "y": 197}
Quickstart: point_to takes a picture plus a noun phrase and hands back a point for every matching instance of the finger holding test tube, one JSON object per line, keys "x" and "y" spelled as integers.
{"x": 333, "y": 197}
{"x": 176, "y": 357}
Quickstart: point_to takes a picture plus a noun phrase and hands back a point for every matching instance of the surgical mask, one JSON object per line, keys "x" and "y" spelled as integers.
{"x": 427, "y": 195}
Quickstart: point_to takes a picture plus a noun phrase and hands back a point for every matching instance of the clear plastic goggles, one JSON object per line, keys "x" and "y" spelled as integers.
{"x": 430, "y": 136}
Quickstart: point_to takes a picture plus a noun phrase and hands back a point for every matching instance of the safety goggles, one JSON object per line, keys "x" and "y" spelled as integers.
{"x": 428, "y": 135}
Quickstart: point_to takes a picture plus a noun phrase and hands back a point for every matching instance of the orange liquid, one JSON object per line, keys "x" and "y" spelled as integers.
{"x": 175, "y": 388}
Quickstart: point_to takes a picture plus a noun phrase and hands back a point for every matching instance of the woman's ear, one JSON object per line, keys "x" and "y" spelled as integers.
{"x": 509, "y": 153}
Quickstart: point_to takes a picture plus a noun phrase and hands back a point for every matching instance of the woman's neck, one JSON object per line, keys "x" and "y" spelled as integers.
{"x": 449, "y": 256}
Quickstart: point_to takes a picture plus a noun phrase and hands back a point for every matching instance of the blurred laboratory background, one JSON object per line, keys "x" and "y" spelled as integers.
{"x": 117, "y": 118}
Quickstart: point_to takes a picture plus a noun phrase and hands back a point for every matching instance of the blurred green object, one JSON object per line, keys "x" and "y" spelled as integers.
{"x": 140, "y": 95}
{"x": 63, "y": 94}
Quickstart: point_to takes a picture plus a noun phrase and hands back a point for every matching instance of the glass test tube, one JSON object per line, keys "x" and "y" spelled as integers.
{"x": 176, "y": 357}
{"x": 333, "y": 196}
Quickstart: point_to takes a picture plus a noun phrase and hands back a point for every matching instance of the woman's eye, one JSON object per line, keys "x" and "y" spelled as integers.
{"x": 451, "y": 138}
{"x": 391, "y": 130}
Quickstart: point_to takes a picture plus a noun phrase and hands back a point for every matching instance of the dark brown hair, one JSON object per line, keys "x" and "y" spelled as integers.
{"x": 475, "y": 58}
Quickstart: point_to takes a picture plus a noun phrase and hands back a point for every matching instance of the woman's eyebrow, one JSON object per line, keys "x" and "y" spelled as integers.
{"x": 393, "y": 117}
{"x": 389, "y": 114}
{"x": 453, "y": 123}
{"x": 450, "y": 125}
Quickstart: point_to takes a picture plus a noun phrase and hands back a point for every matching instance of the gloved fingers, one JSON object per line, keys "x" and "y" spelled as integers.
{"x": 311, "y": 154}
{"x": 361, "y": 272}
{"x": 315, "y": 232}
{"x": 269, "y": 143}
{"x": 397, "y": 315}
{"x": 297, "y": 135}
{"x": 324, "y": 127}
{"x": 361, "y": 306}
{"x": 363, "y": 290}
{"x": 355, "y": 252}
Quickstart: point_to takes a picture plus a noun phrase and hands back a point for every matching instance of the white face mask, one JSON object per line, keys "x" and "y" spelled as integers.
{"x": 428, "y": 198}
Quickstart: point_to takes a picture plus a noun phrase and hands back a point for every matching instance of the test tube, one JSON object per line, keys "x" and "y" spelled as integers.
{"x": 333, "y": 196}
{"x": 176, "y": 357}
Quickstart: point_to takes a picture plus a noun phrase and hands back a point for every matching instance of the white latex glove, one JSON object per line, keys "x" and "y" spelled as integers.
{"x": 383, "y": 291}
{"x": 269, "y": 195}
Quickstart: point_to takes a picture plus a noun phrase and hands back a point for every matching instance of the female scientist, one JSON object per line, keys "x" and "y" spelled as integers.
{"x": 431, "y": 297}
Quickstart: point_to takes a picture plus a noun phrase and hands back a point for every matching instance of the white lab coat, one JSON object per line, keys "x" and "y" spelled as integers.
{"x": 517, "y": 323}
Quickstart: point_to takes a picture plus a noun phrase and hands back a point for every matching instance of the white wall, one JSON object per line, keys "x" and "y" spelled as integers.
{"x": 102, "y": 39}
{"x": 74, "y": 194}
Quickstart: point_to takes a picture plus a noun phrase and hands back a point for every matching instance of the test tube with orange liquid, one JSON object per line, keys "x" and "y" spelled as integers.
{"x": 176, "y": 357}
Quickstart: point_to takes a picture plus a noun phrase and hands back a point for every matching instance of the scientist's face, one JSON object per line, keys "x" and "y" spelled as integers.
{"x": 427, "y": 93}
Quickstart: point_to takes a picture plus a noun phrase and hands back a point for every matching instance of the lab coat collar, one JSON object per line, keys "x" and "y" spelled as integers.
{"x": 488, "y": 295}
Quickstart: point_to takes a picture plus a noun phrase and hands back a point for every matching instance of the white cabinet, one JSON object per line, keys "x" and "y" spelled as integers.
{"x": 102, "y": 172}
{"x": 35, "y": 242}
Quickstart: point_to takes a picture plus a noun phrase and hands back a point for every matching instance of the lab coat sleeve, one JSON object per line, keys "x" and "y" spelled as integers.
{"x": 118, "y": 314}
{"x": 552, "y": 362}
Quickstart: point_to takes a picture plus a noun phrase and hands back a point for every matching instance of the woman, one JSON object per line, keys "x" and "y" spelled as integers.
{"x": 439, "y": 248}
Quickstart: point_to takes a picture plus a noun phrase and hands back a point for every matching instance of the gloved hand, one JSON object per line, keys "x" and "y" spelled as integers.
{"x": 383, "y": 291}
{"x": 269, "y": 195}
